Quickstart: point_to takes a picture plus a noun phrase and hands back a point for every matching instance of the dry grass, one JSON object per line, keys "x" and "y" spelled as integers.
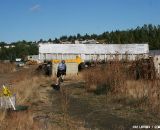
{"x": 112, "y": 75}
{"x": 30, "y": 89}
{"x": 26, "y": 89}
{"x": 25, "y": 121}
{"x": 116, "y": 79}
{"x": 25, "y": 85}
{"x": 7, "y": 67}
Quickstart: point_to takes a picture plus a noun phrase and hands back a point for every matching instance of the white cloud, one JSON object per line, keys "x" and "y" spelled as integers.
{"x": 35, "y": 7}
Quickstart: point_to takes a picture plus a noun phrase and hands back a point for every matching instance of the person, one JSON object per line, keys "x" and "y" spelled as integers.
{"x": 61, "y": 71}
{"x": 48, "y": 68}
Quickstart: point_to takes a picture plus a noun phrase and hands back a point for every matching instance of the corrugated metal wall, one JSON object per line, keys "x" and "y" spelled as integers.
{"x": 93, "y": 52}
{"x": 92, "y": 57}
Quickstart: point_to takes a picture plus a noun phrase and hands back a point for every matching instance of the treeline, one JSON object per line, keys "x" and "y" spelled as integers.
{"x": 145, "y": 34}
{"x": 19, "y": 49}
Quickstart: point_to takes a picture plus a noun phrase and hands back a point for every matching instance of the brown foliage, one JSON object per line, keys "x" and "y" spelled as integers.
{"x": 120, "y": 80}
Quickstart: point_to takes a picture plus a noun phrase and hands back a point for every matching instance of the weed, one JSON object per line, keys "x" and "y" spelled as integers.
{"x": 138, "y": 88}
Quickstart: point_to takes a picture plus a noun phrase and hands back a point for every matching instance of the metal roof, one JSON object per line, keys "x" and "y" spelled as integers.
{"x": 154, "y": 52}
{"x": 94, "y": 48}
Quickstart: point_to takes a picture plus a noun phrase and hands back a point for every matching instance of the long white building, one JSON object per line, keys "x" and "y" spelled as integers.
{"x": 89, "y": 52}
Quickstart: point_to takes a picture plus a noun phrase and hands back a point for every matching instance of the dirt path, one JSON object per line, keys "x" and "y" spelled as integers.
{"x": 73, "y": 108}
{"x": 93, "y": 110}
{"x": 73, "y": 103}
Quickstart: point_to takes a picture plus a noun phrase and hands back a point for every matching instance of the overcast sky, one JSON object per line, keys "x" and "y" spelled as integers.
{"x": 35, "y": 19}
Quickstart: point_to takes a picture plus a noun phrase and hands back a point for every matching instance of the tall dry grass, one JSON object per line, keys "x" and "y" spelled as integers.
{"x": 25, "y": 84}
{"x": 7, "y": 67}
{"x": 112, "y": 76}
{"x": 119, "y": 81}
{"x": 30, "y": 90}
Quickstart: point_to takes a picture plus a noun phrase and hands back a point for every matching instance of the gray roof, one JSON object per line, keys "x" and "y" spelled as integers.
{"x": 154, "y": 52}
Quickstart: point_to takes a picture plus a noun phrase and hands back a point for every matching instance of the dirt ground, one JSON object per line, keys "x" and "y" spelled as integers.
{"x": 74, "y": 108}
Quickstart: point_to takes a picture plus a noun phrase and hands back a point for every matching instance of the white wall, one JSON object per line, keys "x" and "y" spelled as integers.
{"x": 92, "y": 51}
{"x": 91, "y": 57}
{"x": 157, "y": 64}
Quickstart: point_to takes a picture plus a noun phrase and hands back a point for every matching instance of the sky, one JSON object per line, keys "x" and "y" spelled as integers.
{"x": 32, "y": 20}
